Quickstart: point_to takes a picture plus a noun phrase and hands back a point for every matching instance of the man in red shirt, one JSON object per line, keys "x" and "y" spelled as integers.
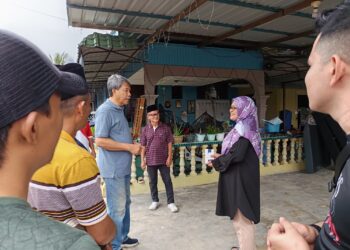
{"x": 155, "y": 135}
{"x": 85, "y": 136}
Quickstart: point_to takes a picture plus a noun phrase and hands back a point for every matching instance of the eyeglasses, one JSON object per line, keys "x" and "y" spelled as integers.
{"x": 153, "y": 114}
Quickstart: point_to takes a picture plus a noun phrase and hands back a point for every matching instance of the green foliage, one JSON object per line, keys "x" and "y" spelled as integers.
{"x": 211, "y": 129}
{"x": 178, "y": 130}
{"x": 59, "y": 58}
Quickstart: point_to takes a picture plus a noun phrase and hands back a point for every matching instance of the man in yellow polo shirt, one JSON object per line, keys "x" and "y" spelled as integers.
{"x": 68, "y": 189}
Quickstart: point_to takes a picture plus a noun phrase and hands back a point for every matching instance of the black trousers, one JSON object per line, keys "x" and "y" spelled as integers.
{"x": 153, "y": 182}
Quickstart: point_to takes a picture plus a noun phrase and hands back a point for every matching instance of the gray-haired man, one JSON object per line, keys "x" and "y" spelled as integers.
{"x": 114, "y": 141}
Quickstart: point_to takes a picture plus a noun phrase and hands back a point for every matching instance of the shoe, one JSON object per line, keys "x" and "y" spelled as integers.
{"x": 154, "y": 205}
{"x": 173, "y": 208}
{"x": 130, "y": 242}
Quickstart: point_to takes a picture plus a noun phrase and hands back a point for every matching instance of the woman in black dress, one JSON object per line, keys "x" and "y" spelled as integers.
{"x": 239, "y": 180}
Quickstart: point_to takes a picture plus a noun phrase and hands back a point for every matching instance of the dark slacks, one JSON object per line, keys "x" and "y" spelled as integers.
{"x": 153, "y": 182}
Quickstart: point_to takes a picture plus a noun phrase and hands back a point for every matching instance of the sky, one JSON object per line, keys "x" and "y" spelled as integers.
{"x": 45, "y": 23}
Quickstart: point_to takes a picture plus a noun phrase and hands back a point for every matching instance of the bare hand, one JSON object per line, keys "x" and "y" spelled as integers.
{"x": 210, "y": 164}
{"x": 284, "y": 236}
{"x": 108, "y": 247}
{"x": 216, "y": 155}
{"x": 143, "y": 165}
{"x": 93, "y": 153}
{"x": 135, "y": 148}
{"x": 309, "y": 233}
{"x": 168, "y": 162}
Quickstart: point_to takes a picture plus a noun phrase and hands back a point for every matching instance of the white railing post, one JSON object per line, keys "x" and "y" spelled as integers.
{"x": 276, "y": 153}
{"x": 193, "y": 159}
{"x": 215, "y": 148}
{"x": 292, "y": 150}
{"x": 182, "y": 160}
{"x": 204, "y": 166}
{"x": 284, "y": 151}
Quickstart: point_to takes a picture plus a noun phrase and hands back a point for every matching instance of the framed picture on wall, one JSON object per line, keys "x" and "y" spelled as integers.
{"x": 191, "y": 107}
{"x": 178, "y": 103}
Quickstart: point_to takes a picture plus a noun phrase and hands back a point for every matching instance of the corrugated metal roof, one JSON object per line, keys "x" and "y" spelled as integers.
{"x": 219, "y": 15}
{"x": 206, "y": 25}
{"x": 104, "y": 55}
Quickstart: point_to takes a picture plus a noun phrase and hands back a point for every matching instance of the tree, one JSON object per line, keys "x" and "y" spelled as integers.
{"x": 59, "y": 58}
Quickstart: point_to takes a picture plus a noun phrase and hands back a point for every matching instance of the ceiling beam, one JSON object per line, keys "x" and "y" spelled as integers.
{"x": 112, "y": 27}
{"x": 291, "y": 37}
{"x": 291, "y": 9}
{"x": 257, "y": 6}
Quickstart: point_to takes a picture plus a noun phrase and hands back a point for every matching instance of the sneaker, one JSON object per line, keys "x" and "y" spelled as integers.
{"x": 154, "y": 205}
{"x": 173, "y": 208}
{"x": 130, "y": 242}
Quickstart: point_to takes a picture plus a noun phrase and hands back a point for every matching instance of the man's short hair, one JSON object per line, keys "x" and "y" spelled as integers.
{"x": 115, "y": 82}
{"x": 334, "y": 27}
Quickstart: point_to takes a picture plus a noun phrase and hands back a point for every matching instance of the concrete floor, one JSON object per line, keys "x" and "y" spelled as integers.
{"x": 296, "y": 196}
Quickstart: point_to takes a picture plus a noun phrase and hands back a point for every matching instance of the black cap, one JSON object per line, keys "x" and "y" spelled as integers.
{"x": 151, "y": 108}
{"x": 27, "y": 78}
{"x": 75, "y": 68}
{"x": 78, "y": 85}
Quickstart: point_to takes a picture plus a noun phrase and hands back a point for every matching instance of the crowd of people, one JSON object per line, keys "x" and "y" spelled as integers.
{"x": 50, "y": 195}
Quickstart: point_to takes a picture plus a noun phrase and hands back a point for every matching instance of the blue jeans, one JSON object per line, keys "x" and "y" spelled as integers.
{"x": 118, "y": 207}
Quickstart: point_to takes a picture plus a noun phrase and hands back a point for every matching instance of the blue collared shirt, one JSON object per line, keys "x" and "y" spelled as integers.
{"x": 110, "y": 122}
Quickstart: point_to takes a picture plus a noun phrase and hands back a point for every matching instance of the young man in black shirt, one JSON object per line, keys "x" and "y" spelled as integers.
{"x": 328, "y": 88}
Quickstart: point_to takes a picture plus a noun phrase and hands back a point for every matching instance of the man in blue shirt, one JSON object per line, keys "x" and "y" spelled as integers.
{"x": 116, "y": 148}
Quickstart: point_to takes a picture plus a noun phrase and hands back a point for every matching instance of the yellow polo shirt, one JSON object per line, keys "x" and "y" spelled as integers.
{"x": 68, "y": 189}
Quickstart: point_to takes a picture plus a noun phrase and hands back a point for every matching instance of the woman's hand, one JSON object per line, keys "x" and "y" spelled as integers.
{"x": 216, "y": 155}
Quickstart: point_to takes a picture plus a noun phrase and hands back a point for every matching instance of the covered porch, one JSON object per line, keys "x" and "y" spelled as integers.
{"x": 280, "y": 154}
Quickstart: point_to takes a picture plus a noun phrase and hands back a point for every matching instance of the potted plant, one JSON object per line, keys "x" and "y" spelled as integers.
{"x": 199, "y": 136}
{"x": 220, "y": 134}
{"x": 178, "y": 133}
{"x": 211, "y": 132}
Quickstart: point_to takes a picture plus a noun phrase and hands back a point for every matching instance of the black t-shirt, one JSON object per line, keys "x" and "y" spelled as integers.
{"x": 335, "y": 233}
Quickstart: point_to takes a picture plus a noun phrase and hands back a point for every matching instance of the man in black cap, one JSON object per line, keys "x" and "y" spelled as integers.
{"x": 68, "y": 188}
{"x": 155, "y": 135}
{"x": 83, "y": 136}
{"x": 31, "y": 89}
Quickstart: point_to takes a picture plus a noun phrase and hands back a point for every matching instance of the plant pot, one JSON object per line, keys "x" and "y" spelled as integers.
{"x": 211, "y": 137}
{"x": 220, "y": 136}
{"x": 190, "y": 138}
{"x": 200, "y": 137}
{"x": 178, "y": 138}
